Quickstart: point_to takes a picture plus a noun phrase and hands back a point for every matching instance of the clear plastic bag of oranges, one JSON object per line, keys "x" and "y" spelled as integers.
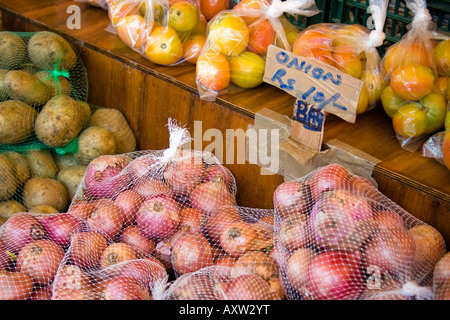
{"x": 233, "y": 57}
{"x": 167, "y": 32}
{"x": 352, "y": 49}
{"x": 416, "y": 67}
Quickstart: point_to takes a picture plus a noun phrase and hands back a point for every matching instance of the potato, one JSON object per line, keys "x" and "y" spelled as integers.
{"x": 26, "y": 87}
{"x": 21, "y": 166}
{"x": 41, "y": 163}
{"x": 114, "y": 121}
{"x": 16, "y": 121}
{"x": 12, "y": 50}
{"x": 62, "y": 86}
{"x": 94, "y": 142}
{"x": 71, "y": 177}
{"x": 64, "y": 160}
{"x": 59, "y": 122}
{"x": 45, "y": 49}
{"x": 87, "y": 112}
{"x": 8, "y": 185}
{"x": 10, "y": 207}
{"x": 45, "y": 191}
{"x": 43, "y": 208}
{"x": 3, "y": 89}
{"x": 30, "y": 68}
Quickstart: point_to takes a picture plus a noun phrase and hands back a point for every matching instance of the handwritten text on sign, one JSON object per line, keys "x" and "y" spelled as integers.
{"x": 311, "y": 80}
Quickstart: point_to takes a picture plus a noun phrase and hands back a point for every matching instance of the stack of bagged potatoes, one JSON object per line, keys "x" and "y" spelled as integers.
{"x": 48, "y": 132}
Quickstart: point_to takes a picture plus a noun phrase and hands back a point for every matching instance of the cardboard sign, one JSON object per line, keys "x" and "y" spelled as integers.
{"x": 307, "y": 125}
{"x": 312, "y": 81}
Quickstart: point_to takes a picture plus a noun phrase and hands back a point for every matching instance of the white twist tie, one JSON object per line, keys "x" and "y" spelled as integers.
{"x": 411, "y": 289}
{"x": 422, "y": 15}
{"x": 376, "y": 38}
{"x": 278, "y": 7}
{"x": 177, "y": 137}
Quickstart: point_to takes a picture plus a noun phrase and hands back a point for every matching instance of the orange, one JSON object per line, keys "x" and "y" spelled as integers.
{"x": 247, "y": 69}
{"x": 255, "y": 5}
{"x": 209, "y": 8}
{"x": 403, "y": 53}
{"x": 441, "y": 55}
{"x": 363, "y": 101}
{"x": 229, "y": 34}
{"x": 390, "y": 101}
{"x": 375, "y": 84}
{"x": 192, "y": 47}
{"x": 410, "y": 120}
{"x": 121, "y": 9}
{"x": 183, "y": 16}
{"x": 131, "y": 30}
{"x": 347, "y": 60}
{"x": 261, "y": 36}
{"x": 412, "y": 82}
{"x": 213, "y": 70}
{"x": 315, "y": 43}
{"x": 164, "y": 46}
{"x": 350, "y": 33}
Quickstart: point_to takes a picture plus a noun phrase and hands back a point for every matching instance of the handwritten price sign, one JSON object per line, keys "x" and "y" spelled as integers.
{"x": 320, "y": 87}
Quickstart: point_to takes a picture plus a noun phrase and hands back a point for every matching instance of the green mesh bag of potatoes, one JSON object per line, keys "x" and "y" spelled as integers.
{"x": 43, "y": 90}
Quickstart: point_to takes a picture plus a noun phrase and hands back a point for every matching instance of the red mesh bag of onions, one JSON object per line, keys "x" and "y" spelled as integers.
{"x": 337, "y": 237}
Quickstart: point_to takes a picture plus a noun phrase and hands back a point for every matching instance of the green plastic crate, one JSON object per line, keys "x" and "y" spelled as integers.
{"x": 397, "y": 18}
{"x": 302, "y": 22}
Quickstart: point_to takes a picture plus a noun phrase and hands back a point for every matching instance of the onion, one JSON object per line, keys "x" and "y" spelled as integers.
{"x": 255, "y": 262}
{"x": 364, "y": 188}
{"x": 40, "y": 260}
{"x": 116, "y": 253}
{"x": 387, "y": 219}
{"x": 297, "y": 268}
{"x": 190, "y": 253}
{"x": 5, "y": 258}
{"x": 15, "y": 285}
{"x": 334, "y": 275}
{"x": 442, "y": 271}
{"x": 193, "y": 286}
{"x": 219, "y": 220}
{"x": 107, "y": 218}
{"x": 391, "y": 251}
{"x": 158, "y": 217}
{"x": 142, "y": 168}
{"x": 129, "y": 202}
{"x": 248, "y": 287}
{"x": 74, "y": 294}
{"x": 148, "y": 272}
{"x": 294, "y": 232}
{"x": 151, "y": 187}
{"x": 292, "y": 197}
{"x": 184, "y": 173}
{"x": 163, "y": 250}
{"x": 71, "y": 277}
{"x": 104, "y": 177}
{"x": 61, "y": 227}
{"x": 330, "y": 177}
{"x": 210, "y": 196}
{"x": 192, "y": 220}
{"x": 237, "y": 238}
{"x": 142, "y": 245}
{"x": 42, "y": 293}
{"x": 279, "y": 254}
{"x": 218, "y": 170}
{"x": 429, "y": 249}
{"x": 82, "y": 209}
{"x": 21, "y": 229}
{"x": 125, "y": 288}
{"x": 86, "y": 249}
{"x": 264, "y": 232}
{"x": 336, "y": 216}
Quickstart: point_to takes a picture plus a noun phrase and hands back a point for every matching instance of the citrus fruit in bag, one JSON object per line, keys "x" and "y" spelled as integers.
{"x": 131, "y": 30}
{"x": 412, "y": 82}
{"x": 213, "y": 70}
{"x": 247, "y": 69}
{"x": 210, "y": 8}
{"x": 183, "y": 16}
{"x": 410, "y": 120}
{"x": 229, "y": 34}
{"x": 261, "y": 36}
{"x": 164, "y": 46}
{"x": 192, "y": 47}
